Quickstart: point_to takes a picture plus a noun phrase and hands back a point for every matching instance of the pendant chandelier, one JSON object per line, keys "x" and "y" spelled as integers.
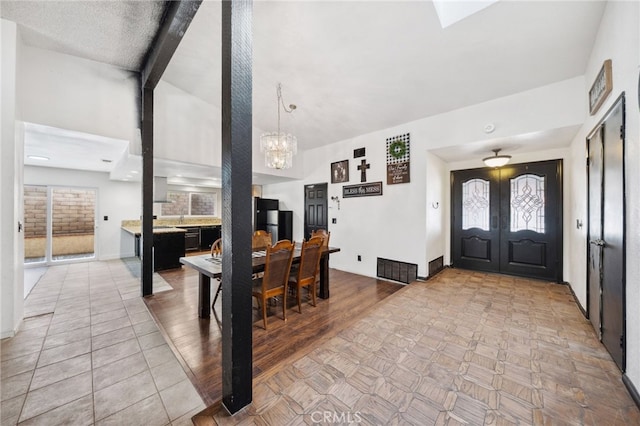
{"x": 279, "y": 147}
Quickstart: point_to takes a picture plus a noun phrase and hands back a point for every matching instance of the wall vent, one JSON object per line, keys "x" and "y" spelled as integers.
{"x": 397, "y": 271}
{"x": 435, "y": 266}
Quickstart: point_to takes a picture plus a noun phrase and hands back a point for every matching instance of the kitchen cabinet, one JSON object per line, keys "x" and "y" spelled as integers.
{"x": 208, "y": 234}
{"x": 168, "y": 248}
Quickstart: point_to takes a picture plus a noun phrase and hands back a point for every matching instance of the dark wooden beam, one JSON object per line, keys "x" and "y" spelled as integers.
{"x": 177, "y": 18}
{"x": 236, "y": 204}
{"x": 146, "y": 254}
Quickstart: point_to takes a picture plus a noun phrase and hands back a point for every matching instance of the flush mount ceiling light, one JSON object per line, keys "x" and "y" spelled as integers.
{"x": 496, "y": 160}
{"x": 38, "y": 157}
{"x": 279, "y": 147}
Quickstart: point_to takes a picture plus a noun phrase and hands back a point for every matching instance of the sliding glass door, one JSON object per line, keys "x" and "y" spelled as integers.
{"x": 59, "y": 224}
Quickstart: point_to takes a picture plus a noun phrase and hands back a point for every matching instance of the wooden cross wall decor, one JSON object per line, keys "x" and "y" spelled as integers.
{"x": 363, "y": 170}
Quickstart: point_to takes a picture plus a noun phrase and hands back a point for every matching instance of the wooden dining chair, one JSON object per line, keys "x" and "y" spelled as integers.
{"x": 324, "y": 234}
{"x": 216, "y": 251}
{"x": 260, "y": 239}
{"x": 276, "y": 276}
{"x": 308, "y": 269}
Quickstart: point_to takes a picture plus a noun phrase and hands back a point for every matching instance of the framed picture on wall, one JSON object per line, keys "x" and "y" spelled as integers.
{"x": 340, "y": 171}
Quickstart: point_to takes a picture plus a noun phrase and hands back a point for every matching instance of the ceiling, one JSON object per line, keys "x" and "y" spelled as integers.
{"x": 351, "y": 67}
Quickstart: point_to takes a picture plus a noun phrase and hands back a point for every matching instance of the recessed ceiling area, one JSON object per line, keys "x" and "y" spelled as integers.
{"x": 69, "y": 149}
{"x": 522, "y": 144}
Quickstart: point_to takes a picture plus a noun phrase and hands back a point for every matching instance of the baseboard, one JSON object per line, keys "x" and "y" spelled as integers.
{"x": 632, "y": 389}
{"x": 115, "y": 256}
{"x": 575, "y": 298}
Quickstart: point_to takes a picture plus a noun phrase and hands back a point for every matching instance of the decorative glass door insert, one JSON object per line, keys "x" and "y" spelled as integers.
{"x": 527, "y": 203}
{"x": 475, "y": 204}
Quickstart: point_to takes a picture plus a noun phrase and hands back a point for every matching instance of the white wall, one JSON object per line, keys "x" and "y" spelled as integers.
{"x": 78, "y": 94}
{"x": 437, "y": 208}
{"x": 618, "y": 40}
{"x": 401, "y": 224}
{"x": 188, "y": 129}
{"x": 11, "y": 159}
{"x": 116, "y": 199}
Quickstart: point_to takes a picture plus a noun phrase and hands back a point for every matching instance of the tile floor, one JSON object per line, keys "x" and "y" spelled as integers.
{"x": 88, "y": 352}
{"x": 464, "y": 348}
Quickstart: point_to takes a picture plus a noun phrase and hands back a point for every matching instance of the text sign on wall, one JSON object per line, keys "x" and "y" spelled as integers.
{"x": 362, "y": 190}
{"x": 398, "y": 159}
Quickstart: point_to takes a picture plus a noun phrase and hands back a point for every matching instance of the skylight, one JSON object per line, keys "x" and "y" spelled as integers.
{"x": 452, "y": 11}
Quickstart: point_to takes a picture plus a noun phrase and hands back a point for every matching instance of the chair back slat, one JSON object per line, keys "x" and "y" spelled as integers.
{"x": 260, "y": 239}
{"x": 277, "y": 265}
{"x": 310, "y": 259}
{"x": 324, "y": 234}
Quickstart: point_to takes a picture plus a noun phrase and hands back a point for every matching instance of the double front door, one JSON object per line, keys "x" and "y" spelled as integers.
{"x": 509, "y": 219}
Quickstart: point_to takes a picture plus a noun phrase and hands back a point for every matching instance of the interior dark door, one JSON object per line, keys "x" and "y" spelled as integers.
{"x": 596, "y": 243}
{"x": 315, "y": 208}
{"x": 475, "y": 219}
{"x": 531, "y": 220}
{"x": 613, "y": 226}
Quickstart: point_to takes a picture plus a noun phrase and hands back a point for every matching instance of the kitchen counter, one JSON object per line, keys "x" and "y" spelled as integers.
{"x": 137, "y": 230}
{"x": 176, "y": 222}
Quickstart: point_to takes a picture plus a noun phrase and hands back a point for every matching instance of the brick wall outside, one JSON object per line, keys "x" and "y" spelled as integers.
{"x": 35, "y": 211}
{"x": 202, "y": 203}
{"x": 179, "y": 206}
{"x": 73, "y": 211}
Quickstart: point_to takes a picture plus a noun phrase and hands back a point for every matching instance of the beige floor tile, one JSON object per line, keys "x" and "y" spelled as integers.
{"x": 115, "y": 352}
{"x": 119, "y": 370}
{"x": 63, "y": 352}
{"x": 10, "y": 410}
{"x": 180, "y": 399}
{"x": 15, "y": 385}
{"x": 67, "y": 337}
{"x": 111, "y": 325}
{"x": 117, "y": 397}
{"x": 151, "y": 340}
{"x": 112, "y": 337}
{"x": 168, "y": 374}
{"x": 18, "y": 365}
{"x": 52, "y": 373}
{"x": 77, "y": 413}
{"x": 158, "y": 355}
{"x": 56, "y": 395}
{"x": 148, "y": 412}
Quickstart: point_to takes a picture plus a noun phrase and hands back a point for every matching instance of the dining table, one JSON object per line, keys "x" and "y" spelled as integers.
{"x": 209, "y": 267}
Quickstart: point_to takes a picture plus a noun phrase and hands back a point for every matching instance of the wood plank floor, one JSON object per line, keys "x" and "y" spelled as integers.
{"x": 197, "y": 342}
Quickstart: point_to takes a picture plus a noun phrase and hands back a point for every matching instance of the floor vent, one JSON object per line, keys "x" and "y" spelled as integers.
{"x": 397, "y": 271}
{"x": 436, "y": 265}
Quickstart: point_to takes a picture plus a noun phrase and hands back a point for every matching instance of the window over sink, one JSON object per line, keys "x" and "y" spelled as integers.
{"x": 190, "y": 204}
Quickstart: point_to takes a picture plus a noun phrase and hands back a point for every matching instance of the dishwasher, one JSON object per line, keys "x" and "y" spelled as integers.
{"x": 192, "y": 239}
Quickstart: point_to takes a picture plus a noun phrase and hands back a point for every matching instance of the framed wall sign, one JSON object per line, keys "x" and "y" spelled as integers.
{"x": 601, "y": 87}
{"x": 340, "y": 171}
{"x": 362, "y": 190}
{"x": 398, "y": 159}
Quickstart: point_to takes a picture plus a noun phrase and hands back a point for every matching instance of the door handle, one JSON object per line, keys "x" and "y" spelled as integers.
{"x": 599, "y": 243}
{"x": 494, "y": 222}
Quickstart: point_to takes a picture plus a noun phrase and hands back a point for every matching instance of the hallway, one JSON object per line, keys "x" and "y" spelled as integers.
{"x": 88, "y": 352}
